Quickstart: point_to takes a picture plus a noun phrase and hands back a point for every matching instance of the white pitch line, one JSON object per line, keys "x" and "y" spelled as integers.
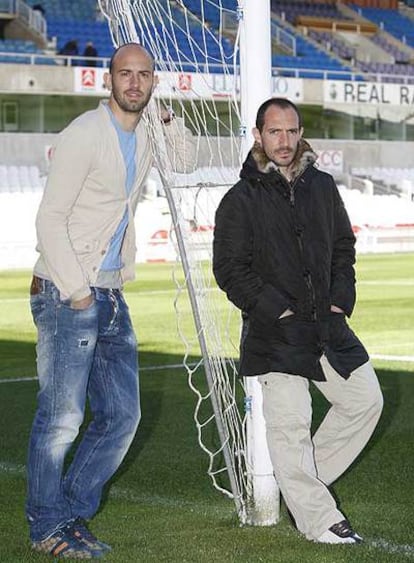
{"x": 392, "y": 358}
{"x": 14, "y": 468}
{"x": 126, "y": 293}
{"x": 389, "y": 547}
{"x": 182, "y": 288}
{"x": 17, "y": 379}
{"x": 143, "y": 368}
{"x": 120, "y": 493}
{"x": 178, "y": 366}
{"x": 406, "y": 282}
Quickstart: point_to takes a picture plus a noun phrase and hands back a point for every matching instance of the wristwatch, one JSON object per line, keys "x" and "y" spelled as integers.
{"x": 170, "y": 117}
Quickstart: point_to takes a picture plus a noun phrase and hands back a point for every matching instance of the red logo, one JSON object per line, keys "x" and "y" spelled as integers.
{"x": 184, "y": 82}
{"x": 88, "y": 78}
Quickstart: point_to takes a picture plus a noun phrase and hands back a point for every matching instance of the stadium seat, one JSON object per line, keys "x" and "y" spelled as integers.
{"x": 20, "y": 178}
{"x": 392, "y": 21}
{"x": 79, "y": 19}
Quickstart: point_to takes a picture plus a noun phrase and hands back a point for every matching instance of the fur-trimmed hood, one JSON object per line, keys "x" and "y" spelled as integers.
{"x": 257, "y": 161}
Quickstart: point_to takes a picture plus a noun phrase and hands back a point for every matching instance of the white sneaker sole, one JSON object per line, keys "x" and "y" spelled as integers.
{"x": 330, "y": 537}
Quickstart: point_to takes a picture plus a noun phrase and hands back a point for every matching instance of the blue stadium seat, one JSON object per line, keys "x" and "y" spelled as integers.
{"x": 78, "y": 20}
{"x": 392, "y": 21}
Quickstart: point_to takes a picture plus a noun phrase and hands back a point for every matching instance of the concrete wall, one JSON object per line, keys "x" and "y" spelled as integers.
{"x": 384, "y": 224}
{"x": 36, "y": 79}
{"x": 25, "y": 148}
{"x": 32, "y": 148}
{"x": 391, "y": 154}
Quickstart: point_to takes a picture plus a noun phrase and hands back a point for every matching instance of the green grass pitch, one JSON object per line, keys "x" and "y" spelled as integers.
{"x": 161, "y": 506}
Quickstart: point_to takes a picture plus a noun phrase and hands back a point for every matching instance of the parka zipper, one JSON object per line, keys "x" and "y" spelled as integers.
{"x": 291, "y": 195}
{"x": 298, "y": 232}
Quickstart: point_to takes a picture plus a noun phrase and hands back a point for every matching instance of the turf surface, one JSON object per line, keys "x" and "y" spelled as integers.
{"x": 161, "y": 506}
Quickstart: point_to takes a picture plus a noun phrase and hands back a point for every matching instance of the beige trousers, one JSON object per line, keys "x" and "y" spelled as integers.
{"x": 303, "y": 465}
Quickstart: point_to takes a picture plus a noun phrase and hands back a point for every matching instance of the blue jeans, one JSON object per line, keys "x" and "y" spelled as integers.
{"x": 81, "y": 354}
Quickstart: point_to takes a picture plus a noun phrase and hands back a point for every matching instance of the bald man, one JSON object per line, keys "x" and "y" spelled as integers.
{"x": 86, "y": 348}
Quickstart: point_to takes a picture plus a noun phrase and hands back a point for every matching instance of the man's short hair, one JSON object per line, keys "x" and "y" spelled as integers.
{"x": 282, "y": 103}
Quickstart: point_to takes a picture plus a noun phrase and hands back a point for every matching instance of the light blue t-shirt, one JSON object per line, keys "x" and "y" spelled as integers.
{"x": 128, "y": 145}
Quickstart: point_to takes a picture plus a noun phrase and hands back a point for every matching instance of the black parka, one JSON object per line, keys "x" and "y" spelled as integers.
{"x": 281, "y": 245}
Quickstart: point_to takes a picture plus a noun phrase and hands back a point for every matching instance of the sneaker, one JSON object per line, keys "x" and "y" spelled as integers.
{"x": 65, "y": 545}
{"x": 341, "y": 532}
{"x": 81, "y": 531}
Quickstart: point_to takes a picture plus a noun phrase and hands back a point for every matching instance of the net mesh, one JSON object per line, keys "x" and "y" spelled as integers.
{"x": 195, "y": 46}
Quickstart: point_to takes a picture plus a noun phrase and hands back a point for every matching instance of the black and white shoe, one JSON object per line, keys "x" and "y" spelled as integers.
{"x": 341, "y": 532}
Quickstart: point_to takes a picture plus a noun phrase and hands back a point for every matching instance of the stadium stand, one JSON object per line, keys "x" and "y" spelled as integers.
{"x": 296, "y": 12}
{"x": 387, "y": 180}
{"x": 396, "y": 52}
{"x": 299, "y": 50}
{"x": 20, "y": 178}
{"x": 310, "y": 53}
{"x": 12, "y": 49}
{"x": 76, "y": 20}
{"x": 318, "y": 32}
{"x": 332, "y": 41}
{"x": 310, "y": 39}
{"x": 392, "y": 21}
{"x": 349, "y": 35}
{"x": 395, "y": 39}
{"x": 79, "y": 21}
{"x": 209, "y": 11}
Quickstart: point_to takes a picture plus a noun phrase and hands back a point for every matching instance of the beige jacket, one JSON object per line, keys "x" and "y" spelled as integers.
{"x": 85, "y": 199}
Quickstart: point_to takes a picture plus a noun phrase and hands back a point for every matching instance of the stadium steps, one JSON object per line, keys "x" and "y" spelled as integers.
{"x": 20, "y": 178}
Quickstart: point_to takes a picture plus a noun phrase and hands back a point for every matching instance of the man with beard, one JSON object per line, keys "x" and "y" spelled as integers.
{"x": 284, "y": 253}
{"x": 86, "y": 344}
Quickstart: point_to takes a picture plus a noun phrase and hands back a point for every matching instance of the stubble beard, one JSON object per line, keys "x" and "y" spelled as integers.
{"x": 135, "y": 107}
{"x": 282, "y": 163}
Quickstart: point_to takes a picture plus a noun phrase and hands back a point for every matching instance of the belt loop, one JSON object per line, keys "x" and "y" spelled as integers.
{"x": 36, "y": 286}
{"x": 39, "y": 285}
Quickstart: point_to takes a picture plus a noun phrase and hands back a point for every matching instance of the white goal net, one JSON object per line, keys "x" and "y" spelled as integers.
{"x": 196, "y": 48}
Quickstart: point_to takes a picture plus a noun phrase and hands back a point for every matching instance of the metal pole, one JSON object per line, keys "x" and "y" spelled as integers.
{"x": 255, "y": 84}
{"x": 237, "y": 495}
{"x": 255, "y": 62}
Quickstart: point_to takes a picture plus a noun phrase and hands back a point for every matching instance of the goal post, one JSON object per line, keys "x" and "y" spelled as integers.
{"x": 255, "y": 82}
{"x": 215, "y": 77}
